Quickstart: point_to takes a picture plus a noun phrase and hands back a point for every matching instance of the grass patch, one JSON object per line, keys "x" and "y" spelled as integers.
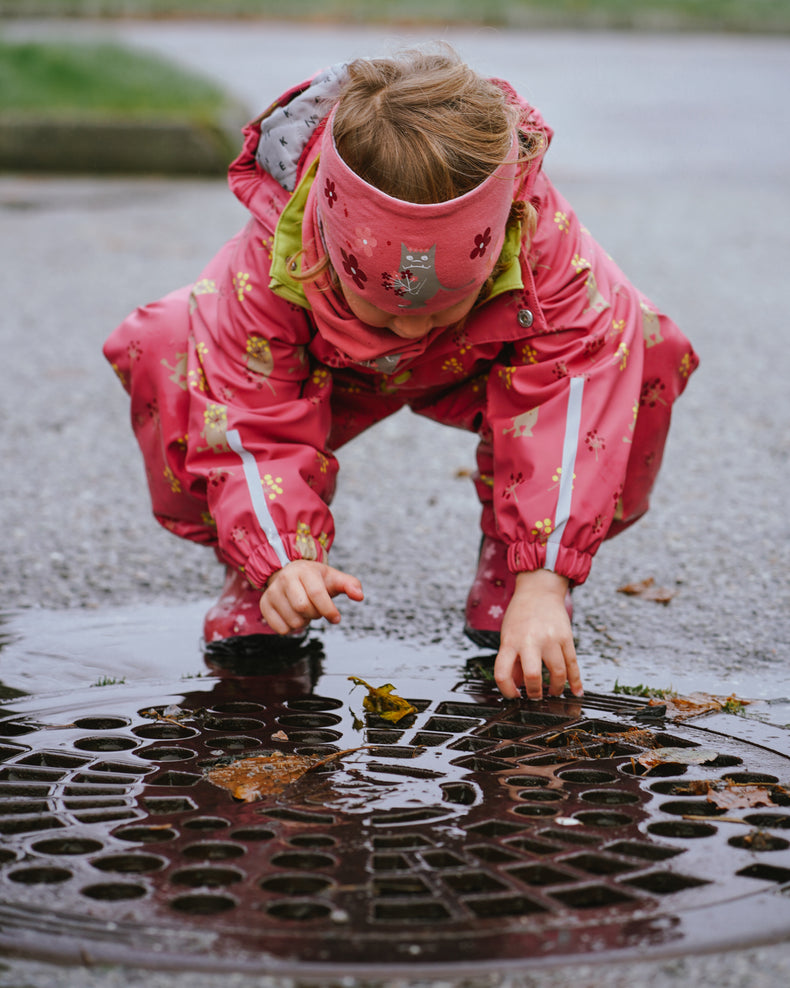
{"x": 100, "y": 81}
{"x": 708, "y": 15}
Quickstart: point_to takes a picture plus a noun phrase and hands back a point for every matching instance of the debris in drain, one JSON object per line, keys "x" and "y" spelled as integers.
{"x": 383, "y": 701}
{"x": 677, "y": 756}
{"x": 647, "y": 590}
{"x": 670, "y": 704}
{"x": 249, "y": 779}
{"x": 173, "y": 714}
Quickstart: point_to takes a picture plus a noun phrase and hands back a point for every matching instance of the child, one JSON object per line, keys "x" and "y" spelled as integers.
{"x": 405, "y": 247}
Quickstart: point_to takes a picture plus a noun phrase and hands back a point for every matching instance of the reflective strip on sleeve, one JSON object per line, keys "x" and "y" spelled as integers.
{"x": 573, "y": 421}
{"x": 257, "y": 497}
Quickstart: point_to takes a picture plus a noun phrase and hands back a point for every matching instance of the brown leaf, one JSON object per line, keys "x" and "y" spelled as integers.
{"x": 677, "y": 756}
{"x": 647, "y": 590}
{"x": 696, "y": 704}
{"x": 740, "y": 797}
{"x": 262, "y": 775}
{"x": 383, "y": 701}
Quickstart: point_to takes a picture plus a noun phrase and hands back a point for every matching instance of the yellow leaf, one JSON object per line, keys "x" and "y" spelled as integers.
{"x": 384, "y": 702}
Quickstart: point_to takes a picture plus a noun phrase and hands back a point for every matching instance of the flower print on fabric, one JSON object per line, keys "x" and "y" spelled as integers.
{"x": 482, "y": 240}
{"x": 329, "y": 192}
{"x": 353, "y": 270}
{"x": 365, "y": 241}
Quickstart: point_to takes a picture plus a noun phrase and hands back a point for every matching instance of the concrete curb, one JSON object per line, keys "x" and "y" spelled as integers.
{"x": 81, "y": 146}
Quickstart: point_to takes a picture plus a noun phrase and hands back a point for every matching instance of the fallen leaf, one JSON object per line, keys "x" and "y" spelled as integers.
{"x": 677, "y": 756}
{"x": 279, "y": 736}
{"x": 647, "y": 590}
{"x": 740, "y": 797}
{"x": 253, "y": 778}
{"x": 696, "y": 704}
{"x": 384, "y": 702}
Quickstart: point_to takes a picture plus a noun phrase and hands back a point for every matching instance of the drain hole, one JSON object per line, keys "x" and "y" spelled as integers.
{"x": 540, "y": 875}
{"x": 9, "y": 729}
{"x": 757, "y": 778}
{"x": 505, "y": 732}
{"x": 592, "y": 818}
{"x": 68, "y": 845}
{"x": 429, "y": 739}
{"x": 666, "y": 882}
{"x": 597, "y": 864}
{"x": 452, "y": 708}
{"x": 451, "y": 725}
{"x": 491, "y": 853}
{"x": 202, "y": 905}
{"x": 495, "y": 828}
{"x": 40, "y": 876}
{"x": 479, "y": 763}
{"x": 100, "y": 723}
{"x": 759, "y": 841}
{"x": 684, "y": 829}
{"x": 406, "y": 912}
{"x": 497, "y": 906}
{"x": 541, "y": 796}
{"x": 568, "y": 836}
{"x": 295, "y": 884}
{"x": 217, "y": 851}
{"x": 160, "y": 754}
{"x": 323, "y": 736}
{"x": 130, "y": 863}
{"x": 768, "y": 820}
{"x": 535, "y": 809}
{"x": 235, "y": 743}
{"x": 516, "y": 751}
{"x": 587, "y": 776}
{"x": 164, "y": 732}
{"x": 235, "y": 724}
{"x": 314, "y": 703}
{"x": 645, "y": 852}
{"x": 470, "y": 743}
{"x": 475, "y": 882}
{"x": 442, "y": 859}
{"x": 459, "y": 793}
{"x": 253, "y": 834}
{"x": 146, "y": 835}
{"x": 403, "y": 841}
{"x": 766, "y": 873}
{"x": 312, "y": 840}
{"x": 302, "y": 860}
{"x": 30, "y": 825}
{"x": 533, "y": 781}
{"x": 532, "y": 717}
{"x": 383, "y": 737}
{"x": 309, "y": 720}
{"x": 51, "y": 759}
{"x": 692, "y": 807}
{"x": 592, "y": 897}
{"x": 6, "y": 856}
{"x": 533, "y": 846}
{"x": 389, "y": 862}
{"x": 299, "y": 911}
{"x": 609, "y": 797}
{"x": 105, "y": 744}
{"x": 665, "y": 770}
{"x": 400, "y": 887}
{"x": 175, "y": 779}
{"x": 113, "y": 892}
{"x": 168, "y": 804}
{"x": 206, "y": 877}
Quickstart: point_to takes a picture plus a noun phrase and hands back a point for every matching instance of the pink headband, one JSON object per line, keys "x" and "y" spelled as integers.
{"x": 401, "y": 255}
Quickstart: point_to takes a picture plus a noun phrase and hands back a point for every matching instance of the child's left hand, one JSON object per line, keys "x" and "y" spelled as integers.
{"x": 536, "y": 631}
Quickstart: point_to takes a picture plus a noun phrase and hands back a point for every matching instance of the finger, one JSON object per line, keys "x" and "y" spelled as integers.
{"x": 505, "y": 664}
{"x": 319, "y": 599}
{"x": 284, "y": 607}
{"x": 572, "y": 670}
{"x": 338, "y": 582}
{"x": 272, "y": 616}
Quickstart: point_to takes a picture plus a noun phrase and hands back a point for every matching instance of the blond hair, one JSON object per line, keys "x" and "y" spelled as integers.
{"x": 424, "y": 127}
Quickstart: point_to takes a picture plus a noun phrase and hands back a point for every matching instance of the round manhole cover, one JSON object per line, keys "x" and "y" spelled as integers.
{"x": 474, "y": 831}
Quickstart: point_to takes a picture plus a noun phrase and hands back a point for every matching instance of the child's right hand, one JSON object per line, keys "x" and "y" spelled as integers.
{"x": 302, "y": 591}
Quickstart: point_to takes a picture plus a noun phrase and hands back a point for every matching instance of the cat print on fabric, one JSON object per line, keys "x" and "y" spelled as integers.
{"x": 416, "y": 282}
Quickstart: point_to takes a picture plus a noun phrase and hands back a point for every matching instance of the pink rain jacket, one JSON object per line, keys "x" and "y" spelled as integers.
{"x": 239, "y": 396}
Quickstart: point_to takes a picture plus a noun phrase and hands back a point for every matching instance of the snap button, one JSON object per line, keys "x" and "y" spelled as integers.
{"x": 525, "y": 318}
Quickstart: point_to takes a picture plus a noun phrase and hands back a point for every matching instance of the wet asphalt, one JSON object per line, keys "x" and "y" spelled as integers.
{"x": 675, "y": 151}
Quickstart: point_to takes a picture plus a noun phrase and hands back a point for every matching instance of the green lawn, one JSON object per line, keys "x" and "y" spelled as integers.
{"x": 100, "y": 81}
{"x": 734, "y": 15}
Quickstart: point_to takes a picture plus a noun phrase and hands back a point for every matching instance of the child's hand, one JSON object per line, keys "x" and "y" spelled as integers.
{"x": 302, "y": 591}
{"x": 536, "y": 631}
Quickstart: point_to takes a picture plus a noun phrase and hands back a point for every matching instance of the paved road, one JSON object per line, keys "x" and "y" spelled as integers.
{"x": 675, "y": 151}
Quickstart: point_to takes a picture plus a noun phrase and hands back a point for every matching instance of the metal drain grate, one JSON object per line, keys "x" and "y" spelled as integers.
{"x": 476, "y": 831}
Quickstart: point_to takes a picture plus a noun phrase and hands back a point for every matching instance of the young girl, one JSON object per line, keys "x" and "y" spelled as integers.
{"x": 405, "y": 247}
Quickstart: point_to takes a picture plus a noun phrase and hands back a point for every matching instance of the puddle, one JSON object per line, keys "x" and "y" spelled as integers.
{"x": 43, "y": 651}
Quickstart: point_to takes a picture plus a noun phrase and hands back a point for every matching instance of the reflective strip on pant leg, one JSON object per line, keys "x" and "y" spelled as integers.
{"x": 573, "y": 421}
{"x": 257, "y": 498}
